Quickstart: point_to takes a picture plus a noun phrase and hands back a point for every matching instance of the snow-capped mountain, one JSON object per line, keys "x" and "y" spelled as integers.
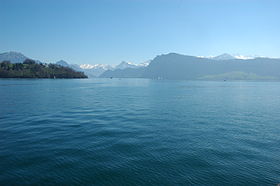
{"x": 144, "y": 64}
{"x": 224, "y": 56}
{"x": 124, "y": 65}
{"x": 245, "y": 57}
{"x": 96, "y": 66}
{"x": 177, "y": 66}
{"x": 91, "y": 70}
{"x": 94, "y": 70}
{"x": 97, "y": 70}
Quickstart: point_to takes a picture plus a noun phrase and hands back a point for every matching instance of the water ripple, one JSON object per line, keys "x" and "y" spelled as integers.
{"x": 139, "y": 132}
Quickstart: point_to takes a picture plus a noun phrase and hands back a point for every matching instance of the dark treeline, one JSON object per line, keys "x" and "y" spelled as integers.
{"x": 30, "y": 69}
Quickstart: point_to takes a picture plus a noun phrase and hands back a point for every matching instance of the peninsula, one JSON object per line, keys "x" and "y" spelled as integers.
{"x": 31, "y": 69}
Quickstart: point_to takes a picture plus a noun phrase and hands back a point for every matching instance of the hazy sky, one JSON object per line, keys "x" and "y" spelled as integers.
{"x": 110, "y": 31}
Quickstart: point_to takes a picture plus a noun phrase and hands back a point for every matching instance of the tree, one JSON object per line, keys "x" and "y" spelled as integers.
{"x": 29, "y": 62}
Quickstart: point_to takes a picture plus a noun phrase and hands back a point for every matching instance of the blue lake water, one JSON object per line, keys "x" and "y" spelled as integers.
{"x": 139, "y": 132}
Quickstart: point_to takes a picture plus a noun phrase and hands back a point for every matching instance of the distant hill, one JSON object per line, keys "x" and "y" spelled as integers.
{"x": 124, "y": 73}
{"x": 62, "y": 63}
{"x": 72, "y": 66}
{"x": 14, "y": 57}
{"x": 31, "y": 69}
{"x": 176, "y": 66}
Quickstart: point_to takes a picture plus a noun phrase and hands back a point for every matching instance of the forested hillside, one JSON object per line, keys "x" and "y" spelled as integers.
{"x": 30, "y": 69}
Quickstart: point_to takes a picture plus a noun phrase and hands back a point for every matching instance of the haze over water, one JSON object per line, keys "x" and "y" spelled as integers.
{"x": 139, "y": 132}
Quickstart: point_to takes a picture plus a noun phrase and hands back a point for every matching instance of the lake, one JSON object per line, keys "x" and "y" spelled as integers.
{"x": 139, "y": 132}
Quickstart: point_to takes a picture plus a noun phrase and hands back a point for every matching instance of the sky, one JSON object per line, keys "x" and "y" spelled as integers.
{"x": 111, "y": 31}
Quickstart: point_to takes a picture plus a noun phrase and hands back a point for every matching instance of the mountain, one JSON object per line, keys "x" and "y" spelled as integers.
{"x": 72, "y": 66}
{"x": 144, "y": 64}
{"x": 98, "y": 69}
{"x": 124, "y": 73}
{"x": 126, "y": 70}
{"x": 88, "y": 69}
{"x": 89, "y": 66}
{"x": 13, "y": 57}
{"x": 177, "y": 66}
{"x": 63, "y": 63}
{"x": 224, "y": 56}
{"x": 124, "y": 65}
{"x": 94, "y": 70}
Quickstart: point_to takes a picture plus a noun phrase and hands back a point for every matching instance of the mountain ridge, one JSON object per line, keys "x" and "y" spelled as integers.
{"x": 175, "y": 66}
